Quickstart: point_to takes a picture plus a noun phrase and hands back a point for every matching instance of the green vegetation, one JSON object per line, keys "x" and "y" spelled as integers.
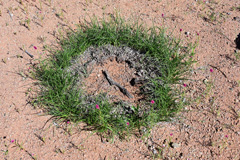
{"x": 59, "y": 98}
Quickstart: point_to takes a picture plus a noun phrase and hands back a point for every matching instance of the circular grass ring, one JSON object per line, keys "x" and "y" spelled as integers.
{"x": 160, "y": 62}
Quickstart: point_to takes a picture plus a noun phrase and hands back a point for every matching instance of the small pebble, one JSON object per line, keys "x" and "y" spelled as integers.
{"x": 155, "y": 151}
{"x": 205, "y": 81}
{"x": 187, "y": 33}
{"x": 236, "y": 100}
{"x": 176, "y": 145}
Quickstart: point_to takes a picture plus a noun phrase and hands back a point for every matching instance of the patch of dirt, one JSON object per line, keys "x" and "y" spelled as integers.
{"x": 121, "y": 73}
{"x": 209, "y": 128}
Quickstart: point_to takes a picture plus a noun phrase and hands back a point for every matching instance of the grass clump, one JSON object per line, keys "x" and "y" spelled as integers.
{"x": 61, "y": 99}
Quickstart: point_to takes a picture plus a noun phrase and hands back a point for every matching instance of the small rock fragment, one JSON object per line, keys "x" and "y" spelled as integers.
{"x": 176, "y": 145}
{"x": 236, "y": 19}
{"x": 187, "y": 33}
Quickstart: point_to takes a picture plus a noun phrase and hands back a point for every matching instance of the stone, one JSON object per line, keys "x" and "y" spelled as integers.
{"x": 176, "y": 145}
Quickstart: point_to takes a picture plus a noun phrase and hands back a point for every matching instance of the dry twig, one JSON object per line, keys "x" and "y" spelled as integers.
{"x": 112, "y": 82}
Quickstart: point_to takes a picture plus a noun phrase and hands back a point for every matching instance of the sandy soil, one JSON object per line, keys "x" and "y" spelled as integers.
{"x": 209, "y": 128}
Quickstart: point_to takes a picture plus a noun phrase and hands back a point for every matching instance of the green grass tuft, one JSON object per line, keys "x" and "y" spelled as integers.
{"x": 59, "y": 98}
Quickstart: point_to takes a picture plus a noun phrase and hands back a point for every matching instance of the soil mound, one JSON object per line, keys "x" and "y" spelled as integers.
{"x": 123, "y": 73}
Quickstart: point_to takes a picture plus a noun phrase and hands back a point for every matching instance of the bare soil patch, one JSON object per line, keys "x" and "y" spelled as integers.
{"x": 207, "y": 129}
{"x": 97, "y": 82}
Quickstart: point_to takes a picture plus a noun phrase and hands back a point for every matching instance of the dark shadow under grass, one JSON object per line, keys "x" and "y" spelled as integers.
{"x": 59, "y": 98}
